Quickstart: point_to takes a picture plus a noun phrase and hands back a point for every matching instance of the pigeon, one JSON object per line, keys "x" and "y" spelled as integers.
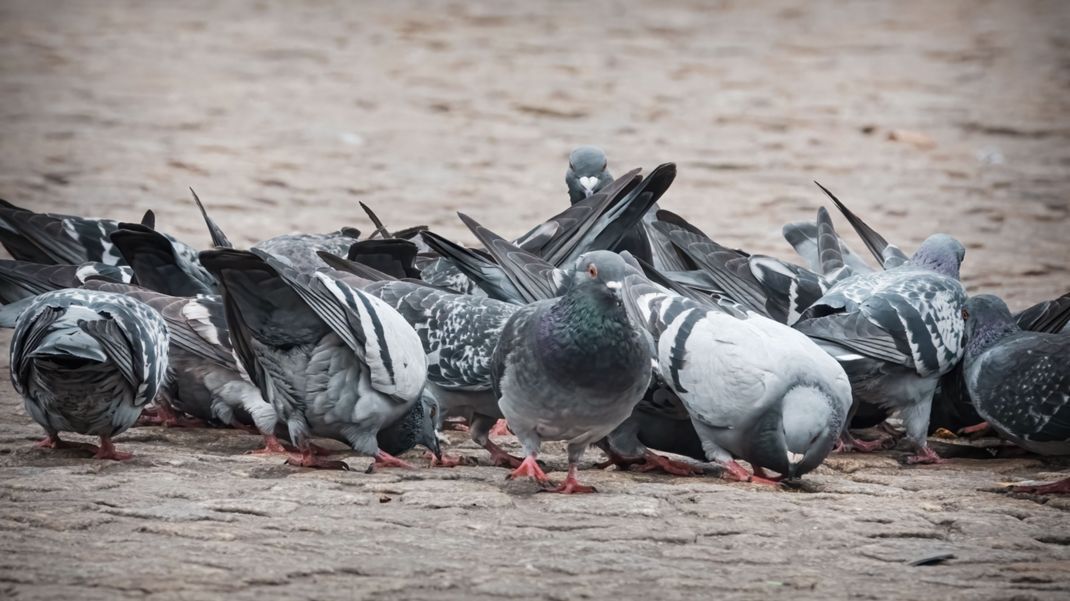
{"x": 1019, "y": 381}
{"x": 571, "y": 368}
{"x": 458, "y": 333}
{"x": 207, "y": 382}
{"x": 157, "y": 266}
{"x": 297, "y": 250}
{"x": 587, "y": 172}
{"x": 753, "y": 388}
{"x": 22, "y": 279}
{"x": 952, "y": 409}
{"x": 54, "y": 239}
{"x": 88, "y": 362}
{"x": 896, "y": 332}
{"x": 334, "y": 361}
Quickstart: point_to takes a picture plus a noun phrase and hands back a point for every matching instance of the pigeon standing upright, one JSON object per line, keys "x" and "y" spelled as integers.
{"x": 88, "y": 362}
{"x": 573, "y": 368}
{"x": 334, "y": 361}
{"x": 1019, "y": 381}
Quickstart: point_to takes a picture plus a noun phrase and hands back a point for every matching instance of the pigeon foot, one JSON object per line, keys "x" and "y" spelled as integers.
{"x": 849, "y": 443}
{"x": 456, "y": 426}
{"x": 654, "y": 462}
{"x": 501, "y": 428}
{"x": 980, "y": 428}
{"x": 272, "y": 446}
{"x": 572, "y": 486}
{"x": 307, "y": 458}
{"x": 106, "y": 450}
{"x": 384, "y": 459}
{"x": 500, "y": 458}
{"x": 163, "y": 415}
{"x": 924, "y": 456}
{"x": 1059, "y": 487}
{"x": 446, "y": 460}
{"x": 735, "y": 472}
{"x": 529, "y": 468}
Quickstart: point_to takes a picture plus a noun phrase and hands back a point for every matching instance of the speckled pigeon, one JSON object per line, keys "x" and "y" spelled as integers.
{"x": 334, "y": 361}
{"x": 1019, "y": 381}
{"x": 896, "y": 332}
{"x": 572, "y": 368}
{"x": 754, "y": 388}
{"x": 88, "y": 362}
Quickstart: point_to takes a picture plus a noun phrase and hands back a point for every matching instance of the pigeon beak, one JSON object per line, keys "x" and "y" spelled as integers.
{"x": 794, "y": 459}
{"x": 588, "y": 183}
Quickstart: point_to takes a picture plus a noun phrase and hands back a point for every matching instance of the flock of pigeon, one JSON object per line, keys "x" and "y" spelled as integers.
{"x": 614, "y": 323}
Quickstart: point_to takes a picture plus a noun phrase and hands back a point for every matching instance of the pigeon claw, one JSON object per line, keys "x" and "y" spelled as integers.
{"x": 384, "y": 459}
{"x": 529, "y": 468}
{"x": 654, "y": 462}
{"x": 849, "y": 443}
{"x": 1059, "y": 487}
{"x": 500, "y": 458}
{"x": 447, "y": 460}
{"x": 572, "y": 486}
{"x": 272, "y": 446}
{"x": 500, "y": 428}
{"x": 924, "y": 456}
{"x": 307, "y": 458}
{"x": 980, "y": 429}
{"x": 106, "y": 450}
{"x": 167, "y": 417}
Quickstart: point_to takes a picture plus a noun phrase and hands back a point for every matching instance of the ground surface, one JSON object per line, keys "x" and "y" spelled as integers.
{"x": 949, "y": 116}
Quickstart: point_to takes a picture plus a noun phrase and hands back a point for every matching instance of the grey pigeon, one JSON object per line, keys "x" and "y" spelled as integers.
{"x": 1019, "y": 381}
{"x": 88, "y": 362}
{"x": 22, "y": 279}
{"x": 952, "y": 408}
{"x": 573, "y": 368}
{"x": 206, "y": 382}
{"x": 754, "y": 388}
{"x": 896, "y": 332}
{"x": 334, "y": 361}
{"x": 70, "y": 240}
{"x": 588, "y": 172}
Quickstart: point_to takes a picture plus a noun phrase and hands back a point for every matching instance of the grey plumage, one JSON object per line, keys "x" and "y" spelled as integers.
{"x": 1019, "y": 381}
{"x": 333, "y": 361}
{"x": 206, "y": 382}
{"x": 88, "y": 362}
{"x": 753, "y": 388}
{"x": 573, "y": 368}
{"x": 22, "y": 279}
{"x": 897, "y": 331}
{"x": 588, "y": 172}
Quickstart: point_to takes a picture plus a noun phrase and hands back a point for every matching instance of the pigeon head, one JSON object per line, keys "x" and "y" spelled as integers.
{"x": 416, "y": 427}
{"x": 587, "y": 172}
{"x": 795, "y": 437}
{"x": 601, "y": 272}
{"x": 940, "y": 253}
{"x": 987, "y": 320}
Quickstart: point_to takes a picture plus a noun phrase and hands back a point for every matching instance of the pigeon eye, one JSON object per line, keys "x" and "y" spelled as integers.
{"x": 965, "y": 314}
{"x": 604, "y": 165}
{"x": 570, "y": 166}
{"x": 592, "y": 271}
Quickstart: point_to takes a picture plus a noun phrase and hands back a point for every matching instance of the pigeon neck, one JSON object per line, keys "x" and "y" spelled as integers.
{"x": 985, "y": 336}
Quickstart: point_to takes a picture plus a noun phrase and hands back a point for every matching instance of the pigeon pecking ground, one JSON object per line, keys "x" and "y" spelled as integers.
{"x": 283, "y": 116}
